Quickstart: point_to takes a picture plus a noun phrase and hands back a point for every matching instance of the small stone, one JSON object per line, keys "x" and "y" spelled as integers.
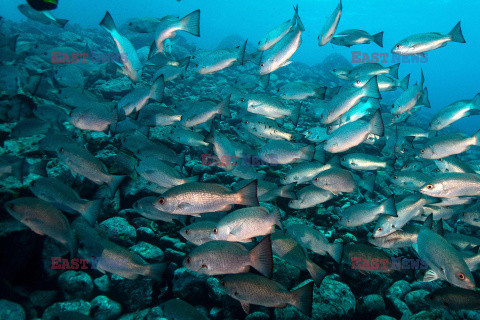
{"x": 43, "y": 299}
{"x": 148, "y": 251}
{"x": 189, "y": 286}
{"x": 102, "y": 283}
{"x": 104, "y": 308}
{"x": 398, "y": 289}
{"x": 374, "y": 303}
{"x": 80, "y": 306}
{"x": 75, "y": 285}
{"x": 119, "y": 231}
{"x": 415, "y": 300}
{"x": 133, "y": 294}
{"x": 257, "y": 316}
{"x": 11, "y": 311}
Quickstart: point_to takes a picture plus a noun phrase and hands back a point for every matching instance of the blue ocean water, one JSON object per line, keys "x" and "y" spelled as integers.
{"x": 451, "y": 73}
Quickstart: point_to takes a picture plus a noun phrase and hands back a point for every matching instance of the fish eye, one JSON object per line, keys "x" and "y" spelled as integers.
{"x": 440, "y": 159}
{"x": 395, "y": 177}
{"x": 430, "y": 186}
{"x": 379, "y": 229}
{"x": 316, "y": 179}
{"x": 262, "y": 64}
{"x": 188, "y": 260}
{"x": 215, "y": 230}
{"x": 242, "y": 99}
{"x": 334, "y": 70}
{"x": 204, "y": 266}
{"x": 285, "y": 178}
{"x": 461, "y": 276}
{"x": 246, "y": 122}
{"x": 161, "y": 201}
{"x": 61, "y": 150}
{"x": 321, "y": 116}
{"x": 223, "y": 283}
{"x": 308, "y": 132}
{"x": 406, "y": 166}
{"x": 422, "y": 151}
{"x": 344, "y": 159}
{"x": 187, "y": 231}
{"x": 357, "y": 82}
{"x": 259, "y": 42}
{"x": 403, "y": 151}
{"x": 235, "y": 293}
{"x": 397, "y": 46}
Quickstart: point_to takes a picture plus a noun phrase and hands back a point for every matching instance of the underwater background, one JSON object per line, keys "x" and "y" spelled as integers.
{"x": 114, "y": 207}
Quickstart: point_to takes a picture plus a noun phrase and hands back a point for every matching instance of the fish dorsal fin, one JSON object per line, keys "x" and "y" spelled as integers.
{"x": 429, "y": 221}
{"x": 438, "y": 227}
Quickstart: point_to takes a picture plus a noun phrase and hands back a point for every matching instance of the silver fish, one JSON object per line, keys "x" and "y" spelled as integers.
{"x": 454, "y": 112}
{"x": 352, "y": 37}
{"x": 195, "y": 198}
{"x": 330, "y": 26}
{"x": 420, "y": 43}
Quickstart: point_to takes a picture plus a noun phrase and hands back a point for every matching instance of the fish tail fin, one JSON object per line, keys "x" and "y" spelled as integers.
{"x": 17, "y": 170}
{"x": 296, "y": 114}
{"x": 156, "y": 270}
{"x": 113, "y": 125}
{"x": 153, "y": 50}
{"x": 389, "y": 207}
{"x": 192, "y": 179}
{"x": 12, "y": 42}
{"x": 456, "y": 34}
{"x": 378, "y": 39}
{"x": 264, "y": 79}
{"x": 371, "y": 88}
{"x": 368, "y": 182}
{"x": 476, "y": 102}
{"x": 114, "y": 183}
{"x": 308, "y": 152}
{"x": 300, "y": 25}
{"x": 295, "y": 15}
{"x": 393, "y": 70}
{"x": 335, "y": 250}
{"x": 287, "y": 191}
{"x": 321, "y": 92}
{"x": 91, "y": 209}
{"x": 424, "y": 99}
{"x": 191, "y": 23}
{"x": 476, "y": 136}
{"x": 38, "y": 168}
{"x": 376, "y": 124}
{"x": 278, "y": 218}
{"x": 315, "y": 271}
{"x": 248, "y": 194}
{"x": 62, "y": 22}
{"x": 157, "y": 89}
{"x": 302, "y": 298}
{"x": 223, "y": 106}
{"x": 107, "y": 23}
{"x": 261, "y": 258}
{"x": 241, "y": 54}
{"x": 404, "y": 82}
{"x": 184, "y": 63}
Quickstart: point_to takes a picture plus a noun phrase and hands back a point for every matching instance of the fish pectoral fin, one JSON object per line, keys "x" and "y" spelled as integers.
{"x": 286, "y": 63}
{"x": 245, "y": 306}
{"x": 184, "y": 205}
{"x": 421, "y": 55}
{"x": 430, "y": 275}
